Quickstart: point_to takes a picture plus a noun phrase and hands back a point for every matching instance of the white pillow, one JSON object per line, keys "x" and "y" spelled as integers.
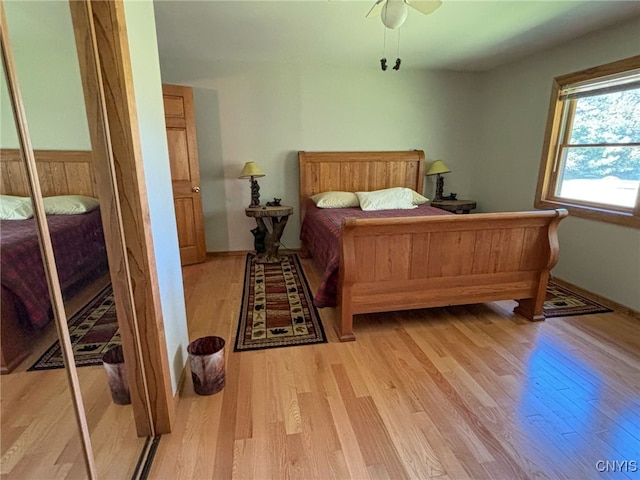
{"x": 397, "y": 198}
{"x": 335, "y": 200}
{"x": 69, "y": 204}
{"x": 15, "y": 208}
{"x": 418, "y": 199}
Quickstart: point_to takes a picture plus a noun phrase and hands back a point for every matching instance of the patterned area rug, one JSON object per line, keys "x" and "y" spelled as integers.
{"x": 562, "y": 302}
{"x": 93, "y": 331}
{"x": 277, "y": 308}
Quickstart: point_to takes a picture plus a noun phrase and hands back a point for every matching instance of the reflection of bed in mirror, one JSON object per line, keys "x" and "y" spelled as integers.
{"x": 78, "y": 244}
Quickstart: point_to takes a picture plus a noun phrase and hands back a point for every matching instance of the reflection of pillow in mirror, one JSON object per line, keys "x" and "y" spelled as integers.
{"x": 418, "y": 199}
{"x": 335, "y": 200}
{"x": 69, "y": 204}
{"x": 397, "y": 198}
{"x": 15, "y": 208}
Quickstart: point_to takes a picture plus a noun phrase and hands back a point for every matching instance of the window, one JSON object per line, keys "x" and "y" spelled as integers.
{"x": 591, "y": 154}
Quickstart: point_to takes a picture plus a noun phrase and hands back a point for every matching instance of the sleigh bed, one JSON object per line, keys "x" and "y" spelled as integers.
{"x": 435, "y": 259}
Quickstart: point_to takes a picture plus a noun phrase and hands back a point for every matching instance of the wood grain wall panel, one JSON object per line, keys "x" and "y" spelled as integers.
{"x": 510, "y": 250}
{"x": 452, "y": 253}
{"x": 412, "y": 172}
{"x": 328, "y": 175}
{"x": 363, "y": 177}
{"x": 399, "y": 256}
{"x": 397, "y": 177}
{"x": 14, "y": 179}
{"x": 466, "y": 252}
{"x": 381, "y": 259}
{"x": 365, "y": 248}
{"x": 536, "y": 242}
{"x": 46, "y": 173}
{"x": 494, "y": 249}
{"x": 482, "y": 250}
{"x": 419, "y": 256}
{"x": 349, "y": 175}
{"x": 379, "y": 174}
{"x": 80, "y": 178}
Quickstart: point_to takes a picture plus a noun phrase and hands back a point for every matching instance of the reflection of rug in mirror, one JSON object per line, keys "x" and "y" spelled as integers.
{"x": 93, "y": 331}
{"x": 562, "y": 302}
{"x": 277, "y": 308}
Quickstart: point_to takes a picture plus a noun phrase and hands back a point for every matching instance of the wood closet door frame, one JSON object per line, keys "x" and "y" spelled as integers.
{"x": 120, "y": 170}
{"x": 179, "y": 118}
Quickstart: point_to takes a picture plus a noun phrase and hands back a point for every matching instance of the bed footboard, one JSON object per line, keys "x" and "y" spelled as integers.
{"x": 419, "y": 262}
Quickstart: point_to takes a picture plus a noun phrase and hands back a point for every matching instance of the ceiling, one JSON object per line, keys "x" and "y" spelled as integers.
{"x": 460, "y": 35}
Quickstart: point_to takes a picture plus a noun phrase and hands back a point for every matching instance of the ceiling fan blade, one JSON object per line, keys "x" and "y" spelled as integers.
{"x": 376, "y": 9}
{"x": 423, "y": 6}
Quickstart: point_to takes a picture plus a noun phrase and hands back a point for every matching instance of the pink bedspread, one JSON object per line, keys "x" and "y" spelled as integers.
{"x": 79, "y": 249}
{"x": 321, "y": 234}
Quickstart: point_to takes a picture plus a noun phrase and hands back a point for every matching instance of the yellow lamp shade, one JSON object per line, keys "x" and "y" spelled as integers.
{"x": 251, "y": 170}
{"x": 437, "y": 167}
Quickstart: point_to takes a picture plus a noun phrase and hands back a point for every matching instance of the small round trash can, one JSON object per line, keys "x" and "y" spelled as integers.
{"x": 206, "y": 360}
{"x": 113, "y": 361}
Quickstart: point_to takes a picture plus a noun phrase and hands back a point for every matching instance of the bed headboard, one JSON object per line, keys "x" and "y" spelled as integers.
{"x": 61, "y": 172}
{"x": 358, "y": 171}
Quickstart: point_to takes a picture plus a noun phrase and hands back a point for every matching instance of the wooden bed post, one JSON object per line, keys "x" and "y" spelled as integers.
{"x": 532, "y": 308}
{"x": 347, "y": 279}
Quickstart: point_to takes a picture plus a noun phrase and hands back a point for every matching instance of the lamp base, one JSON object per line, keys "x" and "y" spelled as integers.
{"x": 439, "y": 187}
{"x": 255, "y": 193}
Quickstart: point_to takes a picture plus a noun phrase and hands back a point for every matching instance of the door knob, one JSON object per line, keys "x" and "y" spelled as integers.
{"x": 196, "y": 189}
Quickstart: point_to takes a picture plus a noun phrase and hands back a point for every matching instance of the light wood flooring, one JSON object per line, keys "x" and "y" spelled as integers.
{"x": 448, "y": 393}
{"x": 38, "y": 433}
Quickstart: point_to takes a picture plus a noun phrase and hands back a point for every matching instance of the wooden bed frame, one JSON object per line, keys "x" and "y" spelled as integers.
{"x": 61, "y": 172}
{"x": 418, "y": 262}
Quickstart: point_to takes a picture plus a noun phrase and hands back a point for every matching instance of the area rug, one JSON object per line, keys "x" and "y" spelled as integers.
{"x": 93, "y": 331}
{"x": 562, "y": 302}
{"x": 277, "y": 308}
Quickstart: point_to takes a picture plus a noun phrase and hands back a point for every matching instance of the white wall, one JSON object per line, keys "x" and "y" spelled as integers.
{"x": 600, "y": 257}
{"x": 150, "y": 110}
{"x": 48, "y": 75}
{"x": 488, "y": 128}
{"x": 266, "y": 113}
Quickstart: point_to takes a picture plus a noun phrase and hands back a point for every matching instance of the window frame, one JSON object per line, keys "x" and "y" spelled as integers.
{"x": 547, "y": 178}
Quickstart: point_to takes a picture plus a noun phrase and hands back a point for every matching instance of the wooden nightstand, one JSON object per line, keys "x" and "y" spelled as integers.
{"x": 455, "y": 206}
{"x": 267, "y": 240}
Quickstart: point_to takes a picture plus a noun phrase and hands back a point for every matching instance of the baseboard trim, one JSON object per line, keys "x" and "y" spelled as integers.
{"x": 232, "y": 253}
{"x": 242, "y": 253}
{"x": 181, "y": 381}
{"x": 598, "y": 298}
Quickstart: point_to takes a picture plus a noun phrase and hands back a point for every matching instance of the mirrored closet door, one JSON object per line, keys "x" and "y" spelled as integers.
{"x": 45, "y": 407}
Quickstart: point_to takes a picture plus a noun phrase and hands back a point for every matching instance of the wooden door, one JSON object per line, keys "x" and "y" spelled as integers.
{"x": 185, "y": 173}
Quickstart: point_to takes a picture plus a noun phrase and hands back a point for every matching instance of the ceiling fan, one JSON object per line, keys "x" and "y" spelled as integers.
{"x": 394, "y": 12}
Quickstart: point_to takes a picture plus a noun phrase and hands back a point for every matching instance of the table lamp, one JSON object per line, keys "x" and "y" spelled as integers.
{"x": 438, "y": 168}
{"x": 251, "y": 170}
